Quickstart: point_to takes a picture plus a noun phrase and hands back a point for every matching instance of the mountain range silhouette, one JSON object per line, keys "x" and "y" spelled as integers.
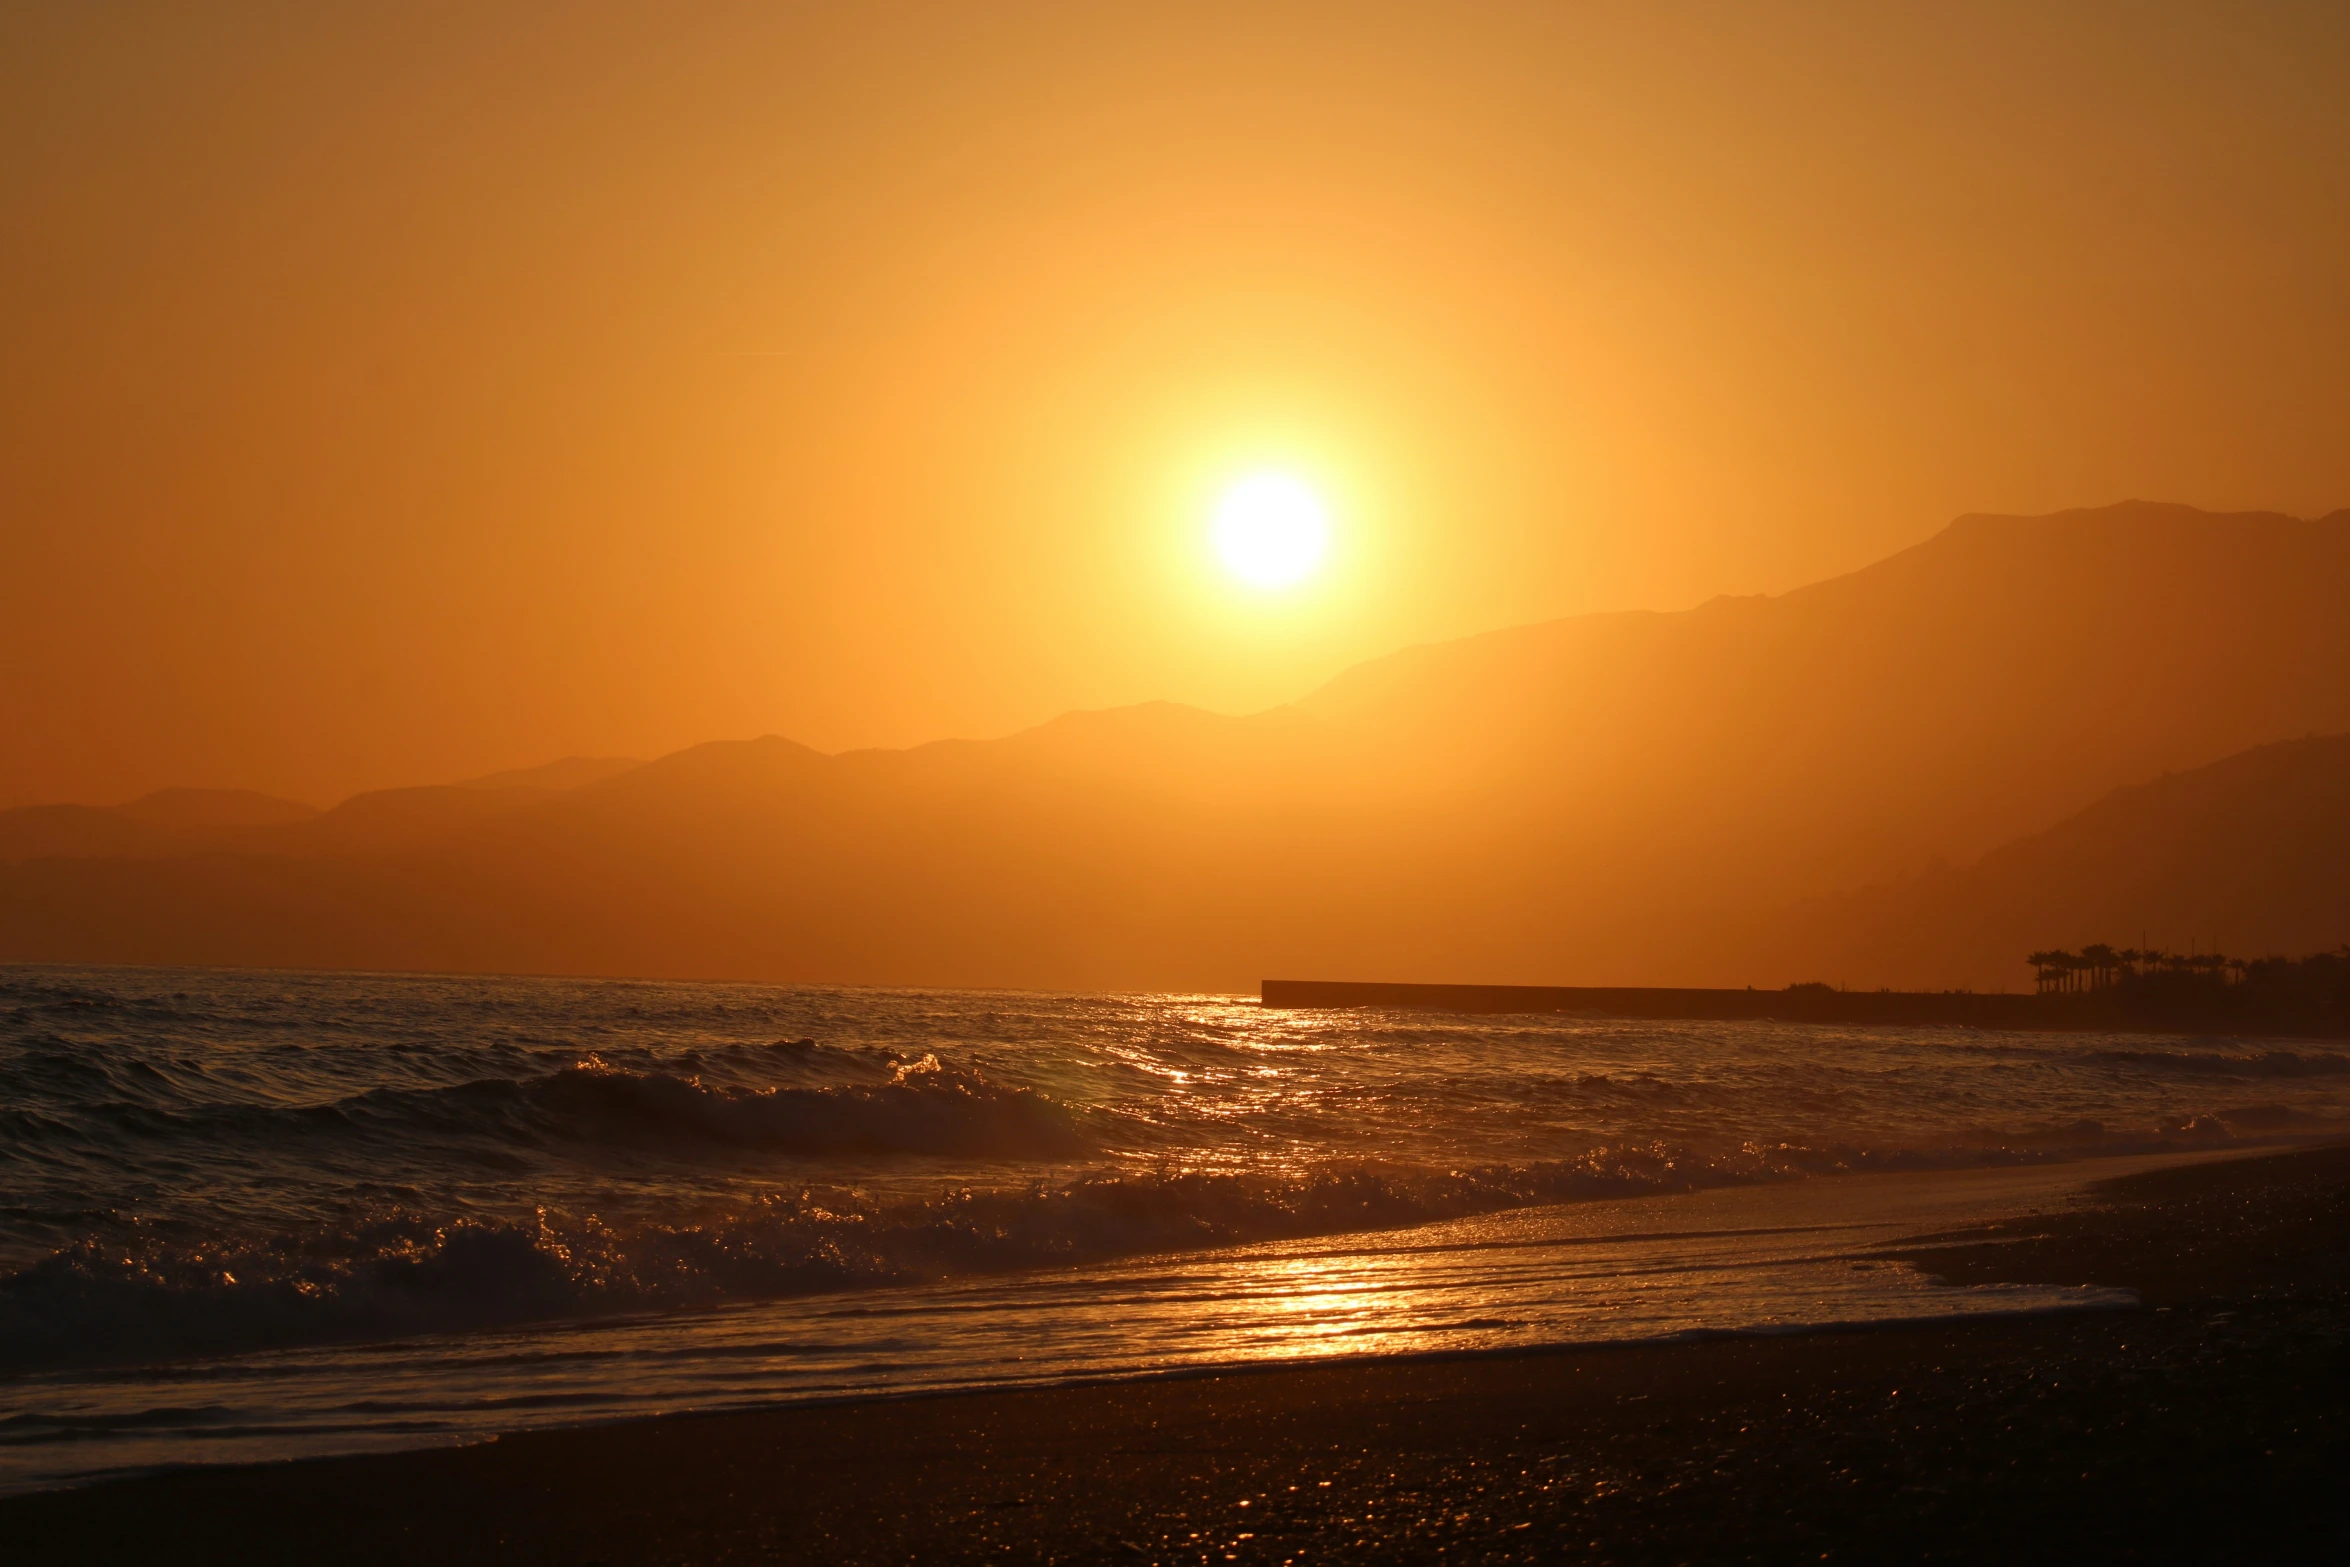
{"x": 1669, "y": 798}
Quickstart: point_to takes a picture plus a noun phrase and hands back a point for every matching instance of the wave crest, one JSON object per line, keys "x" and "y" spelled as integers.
{"x": 924, "y": 1108}
{"x": 400, "y": 1273}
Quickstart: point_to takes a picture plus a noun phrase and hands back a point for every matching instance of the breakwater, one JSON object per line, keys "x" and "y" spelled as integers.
{"x": 1797, "y": 1003}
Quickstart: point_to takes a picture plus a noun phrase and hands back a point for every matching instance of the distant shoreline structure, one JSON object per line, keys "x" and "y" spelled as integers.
{"x": 2309, "y": 998}
{"x": 1809, "y": 1003}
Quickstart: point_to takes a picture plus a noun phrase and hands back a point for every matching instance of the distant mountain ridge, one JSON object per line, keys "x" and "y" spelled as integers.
{"x": 1969, "y": 689}
{"x": 569, "y": 773}
{"x": 168, "y": 821}
{"x": 191, "y": 821}
{"x": 2250, "y": 855}
{"x": 1625, "y": 799}
{"x": 201, "y": 808}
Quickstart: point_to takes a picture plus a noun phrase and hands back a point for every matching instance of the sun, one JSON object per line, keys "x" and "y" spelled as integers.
{"x": 1270, "y": 530}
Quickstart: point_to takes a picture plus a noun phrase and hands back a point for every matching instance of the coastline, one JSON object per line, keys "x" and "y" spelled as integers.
{"x": 2214, "y": 1420}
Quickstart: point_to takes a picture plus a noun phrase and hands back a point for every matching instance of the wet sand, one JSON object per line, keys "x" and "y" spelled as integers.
{"x": 2212, "y": 1424}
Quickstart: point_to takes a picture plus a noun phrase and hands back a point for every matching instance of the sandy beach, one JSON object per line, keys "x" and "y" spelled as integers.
{"x": 2212, "y": 1423}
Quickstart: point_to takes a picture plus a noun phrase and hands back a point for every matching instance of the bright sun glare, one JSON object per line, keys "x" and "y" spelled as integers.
{"x": 1270, "y": 530}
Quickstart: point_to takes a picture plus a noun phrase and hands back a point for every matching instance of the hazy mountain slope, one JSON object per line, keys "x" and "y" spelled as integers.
{"x": 1103, "y": 850}
{"x": 33, "y": 831}
{"x": 191, "y": 821}
{"x": 1976, "y": 687}
{"x": 569, "y": 773}
{"x": 2250, "y": 855}
{"x": 1610, "y": 798}
{"x": 215, "y": 808}
{"x": 169, "y": 821}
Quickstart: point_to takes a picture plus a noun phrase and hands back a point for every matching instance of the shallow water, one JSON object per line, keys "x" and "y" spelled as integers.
{"x": 369, "y": 1191}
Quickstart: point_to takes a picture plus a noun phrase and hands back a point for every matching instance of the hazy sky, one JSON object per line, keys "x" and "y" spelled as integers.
{"x": 403, "y": 392}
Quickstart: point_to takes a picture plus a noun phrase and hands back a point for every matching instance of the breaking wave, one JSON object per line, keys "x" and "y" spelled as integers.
{"x": 401, "y": 1273}
{"x": 925, "y": 1108}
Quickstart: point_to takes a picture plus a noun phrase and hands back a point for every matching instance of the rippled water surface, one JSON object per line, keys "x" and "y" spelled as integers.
{"x": 200, "y": 1163}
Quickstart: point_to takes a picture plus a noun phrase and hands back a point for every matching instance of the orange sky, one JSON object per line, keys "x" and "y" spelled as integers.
{"x": 395, "y": 397}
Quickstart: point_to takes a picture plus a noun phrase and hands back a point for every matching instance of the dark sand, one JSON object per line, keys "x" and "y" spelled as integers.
{"x": 2214, "y": 1425}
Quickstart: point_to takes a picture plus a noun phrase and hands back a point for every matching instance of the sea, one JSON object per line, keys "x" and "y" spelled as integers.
{"x": 250, "y": 1215}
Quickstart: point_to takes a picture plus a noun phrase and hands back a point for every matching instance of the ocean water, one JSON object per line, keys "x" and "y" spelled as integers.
{"x": 250, "y": 1214}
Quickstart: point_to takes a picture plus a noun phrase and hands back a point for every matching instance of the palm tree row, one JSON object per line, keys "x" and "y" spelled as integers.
{"x": 2101, "y": 967}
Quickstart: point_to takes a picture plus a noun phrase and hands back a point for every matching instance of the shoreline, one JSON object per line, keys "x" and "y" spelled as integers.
{"x": 1652, "y": 1267}
{"x": 2216, "y": 1416}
